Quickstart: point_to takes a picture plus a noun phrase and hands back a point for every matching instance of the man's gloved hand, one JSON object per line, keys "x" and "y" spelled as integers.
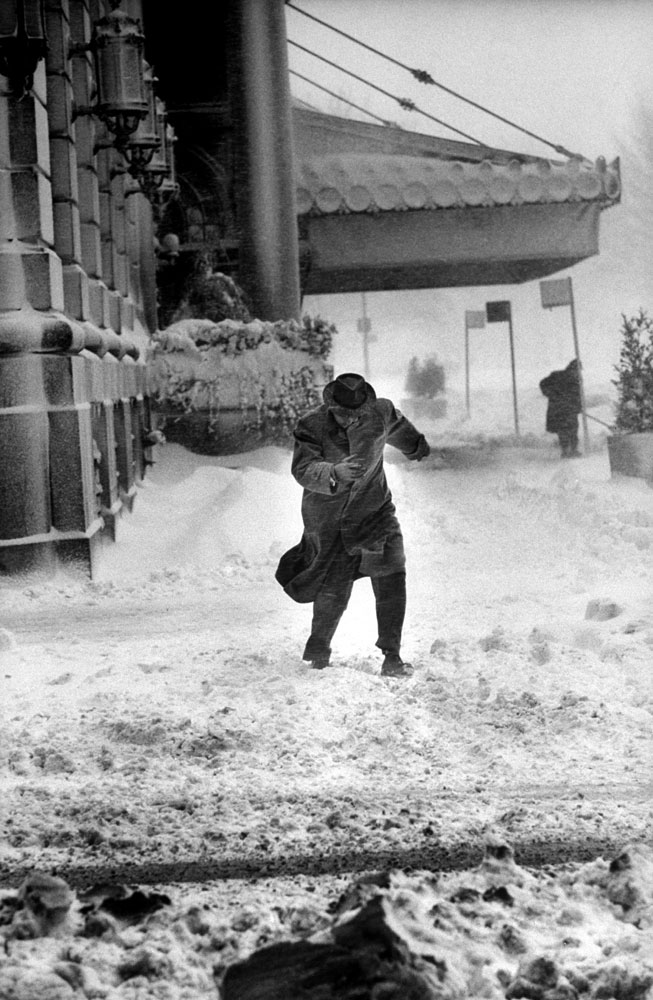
{"x": 423, "y": 449}
{"x": 348, "y": 470}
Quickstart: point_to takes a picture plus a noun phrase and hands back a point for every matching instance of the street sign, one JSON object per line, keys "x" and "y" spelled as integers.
{"x": 498, "y": 312}
{"x": 556, "y": 293}
{"x": 474, "y": 319}
{"x": 364, "y": 325}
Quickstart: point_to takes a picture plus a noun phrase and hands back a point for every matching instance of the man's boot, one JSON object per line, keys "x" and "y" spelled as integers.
{"x": 394, "y": 666}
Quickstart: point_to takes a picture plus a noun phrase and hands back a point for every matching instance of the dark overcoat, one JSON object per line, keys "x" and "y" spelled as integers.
{"x": 346, "y": 520}
{"x": 563, "y": 392}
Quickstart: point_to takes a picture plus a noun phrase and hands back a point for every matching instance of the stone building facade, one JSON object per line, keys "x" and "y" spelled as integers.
{"x": 80, "y": 218}
{"x": 77, "y": 306}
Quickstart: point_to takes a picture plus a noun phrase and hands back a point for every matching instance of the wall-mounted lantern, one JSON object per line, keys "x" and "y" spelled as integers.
{"x": 117, "y": 44}
{"x": 152, "y": 176}
{"x": 142, "y": 145}
{"x": 168, "y": 189}
{"x": 166, "y": 192}
{"x": 150, "y": 154}
{"x": 22, "y": 42}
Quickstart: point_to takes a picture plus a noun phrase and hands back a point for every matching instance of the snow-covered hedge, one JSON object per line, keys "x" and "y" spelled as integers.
{"x": 271, "y": 372}
{"x": 233, "y": 337}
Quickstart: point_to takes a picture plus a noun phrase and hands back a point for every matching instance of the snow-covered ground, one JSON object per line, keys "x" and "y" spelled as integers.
{"x": 158, "y": 721}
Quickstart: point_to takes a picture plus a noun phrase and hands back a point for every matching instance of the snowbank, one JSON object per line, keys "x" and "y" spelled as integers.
{"x": 159, "y": 721}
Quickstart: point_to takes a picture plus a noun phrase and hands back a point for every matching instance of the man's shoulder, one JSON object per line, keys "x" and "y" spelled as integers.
{"x": 384, "y": 405}
{"x": 388, "y": 411}
{"x": 312, "y": 420}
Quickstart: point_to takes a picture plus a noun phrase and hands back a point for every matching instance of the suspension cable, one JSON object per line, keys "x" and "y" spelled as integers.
{"x": 403, "y": 102}
{"x": 422, "y": 76}
{"x": 332, "y": 93}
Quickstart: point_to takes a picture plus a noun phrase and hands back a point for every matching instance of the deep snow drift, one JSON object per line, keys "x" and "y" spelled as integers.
{"x": 161, "y": 715}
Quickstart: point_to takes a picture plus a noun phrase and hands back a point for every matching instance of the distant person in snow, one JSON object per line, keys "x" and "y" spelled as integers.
{"x": 350, "y": 526}
{"x": 562, "y": 388}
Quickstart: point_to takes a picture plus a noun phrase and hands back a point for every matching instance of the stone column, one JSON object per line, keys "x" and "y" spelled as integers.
{"x": 262, "y": 129}
{"x": 147, "y": 304}
{"x": 30, "y": 279}
{"x": 88, "y": 135}
{"x": 84, "y": 482}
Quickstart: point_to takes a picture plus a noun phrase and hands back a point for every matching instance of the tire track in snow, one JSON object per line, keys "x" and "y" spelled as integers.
{"x": 435, "y": 857}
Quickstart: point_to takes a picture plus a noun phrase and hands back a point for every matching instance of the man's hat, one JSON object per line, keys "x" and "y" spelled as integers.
{"x": 350, "y": 390}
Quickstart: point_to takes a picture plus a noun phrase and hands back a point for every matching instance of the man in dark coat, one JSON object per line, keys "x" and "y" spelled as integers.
{"x": 562, "y": 388}
{"x": 350, "y": 527}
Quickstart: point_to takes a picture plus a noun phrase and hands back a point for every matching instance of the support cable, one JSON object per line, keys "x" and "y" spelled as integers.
{"x": 403, "y": 102}
{"x": 422, "y": 76}
{"x": 332, "y": 93}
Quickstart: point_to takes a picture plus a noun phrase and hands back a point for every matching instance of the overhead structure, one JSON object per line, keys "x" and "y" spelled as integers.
{"x": 300, "y": 202}
{"x": 383, "y": 209}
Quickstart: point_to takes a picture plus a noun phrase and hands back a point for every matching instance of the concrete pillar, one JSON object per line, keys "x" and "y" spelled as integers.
{"x": 51, "y": 497}
{"x": 262, "y": 129}
{"x": 131, "y": 247}
{"x": 147, "y": 310}
{"x": 103, "y": 431}
{"x": 28, "y": 270}
{"x": 64, "y": 162}
{"x": 125, "y": 459}
{"x": 24, "y": 458}
{"x": 71, "y": 383}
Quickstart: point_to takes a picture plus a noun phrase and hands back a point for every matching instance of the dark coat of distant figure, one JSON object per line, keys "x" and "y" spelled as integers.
{"x": 562, "y": 388}
{"x": 350, "y": 525}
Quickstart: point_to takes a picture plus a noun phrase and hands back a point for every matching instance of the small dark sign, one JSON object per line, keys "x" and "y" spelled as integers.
{"x": 497, "y": 312}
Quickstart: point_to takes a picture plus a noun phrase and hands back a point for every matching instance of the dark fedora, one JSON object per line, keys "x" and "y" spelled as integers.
{"x": 350, "y": 390}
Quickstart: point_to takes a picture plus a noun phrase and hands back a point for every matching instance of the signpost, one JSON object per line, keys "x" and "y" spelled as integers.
{"x": 500, "y": 312}
{"x": 560, "y": 292}
{"x": 474, "y": 320}
{"x": 364, "y": 325}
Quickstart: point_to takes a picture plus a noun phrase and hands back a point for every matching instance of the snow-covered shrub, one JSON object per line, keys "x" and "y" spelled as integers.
{"x": 634, "y": 413}
{"x": 209, "y": 294}
{"x": 233, "y": 337}
{"x": 272, "y": 373}
{"x": 425, "y": 379}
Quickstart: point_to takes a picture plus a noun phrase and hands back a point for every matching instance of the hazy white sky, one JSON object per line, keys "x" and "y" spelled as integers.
{"x": 571, "y": 71}
{"x": 567, "y": 70}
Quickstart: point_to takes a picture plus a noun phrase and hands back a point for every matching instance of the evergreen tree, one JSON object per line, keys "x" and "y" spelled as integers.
{"x": 432, "y": 377}
{"x": 634, "y": 383}
{"x": 425, "y": 379}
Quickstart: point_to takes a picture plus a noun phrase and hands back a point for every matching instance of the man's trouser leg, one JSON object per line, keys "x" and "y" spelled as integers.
{"x": 390, "y": 594}
{"x": 573, "y": 439}
{"x": 563, "y": 438}
{"x": 328, "y": 609}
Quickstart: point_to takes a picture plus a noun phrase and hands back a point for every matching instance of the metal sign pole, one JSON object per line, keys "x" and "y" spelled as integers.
{"x": 514, "y": 377}
{"x": 467, "y": 403}
{"x": 474, "y": 320}
{"x": 366, "y": 349}
{"x": 581, "y": 385}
